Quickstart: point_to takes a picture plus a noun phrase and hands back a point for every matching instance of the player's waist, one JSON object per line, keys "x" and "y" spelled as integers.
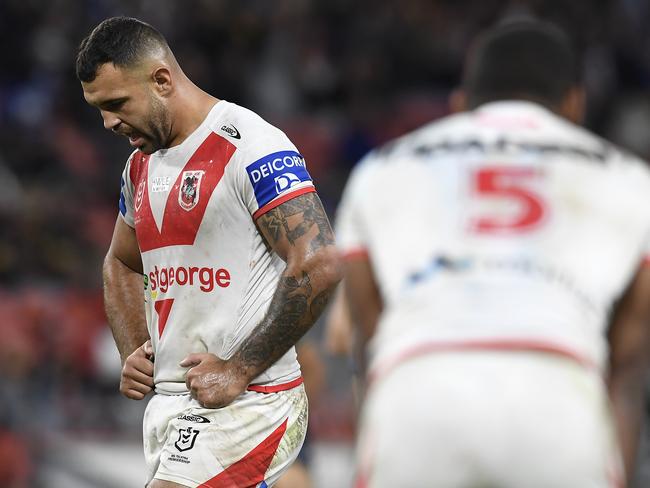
{"x": 386, "y": 361}
{"x": 177, "y": 388}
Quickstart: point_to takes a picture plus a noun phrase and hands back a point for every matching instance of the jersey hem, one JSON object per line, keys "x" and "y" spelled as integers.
{"x": 168, "y": 390}
{"x": 279, "y": 201}
{"x": 512, "y": 345}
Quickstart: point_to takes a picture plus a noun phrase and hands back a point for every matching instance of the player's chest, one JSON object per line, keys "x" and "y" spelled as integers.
{"x": 173, "y": 200}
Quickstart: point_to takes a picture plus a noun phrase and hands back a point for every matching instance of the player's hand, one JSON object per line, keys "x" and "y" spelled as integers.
{"x": 137, "y": 373}
{"x": 212, "y": 381}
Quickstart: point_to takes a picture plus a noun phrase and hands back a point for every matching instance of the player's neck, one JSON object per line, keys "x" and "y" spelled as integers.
{"x": 190, "y": 110}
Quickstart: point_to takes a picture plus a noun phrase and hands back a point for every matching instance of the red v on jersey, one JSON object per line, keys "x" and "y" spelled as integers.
{"x": 181, "y": 221}
{"x": 163, "y": 307}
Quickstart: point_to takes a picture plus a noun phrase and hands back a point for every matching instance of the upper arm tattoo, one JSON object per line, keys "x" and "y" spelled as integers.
{"x": 301, "y": 294}
{"x": 309, "y": 209}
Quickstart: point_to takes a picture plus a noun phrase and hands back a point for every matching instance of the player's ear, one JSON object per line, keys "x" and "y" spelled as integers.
{"x": 573, "y": 105}
{"x": 457, "y": 101}
{"x": 162, "y": 80}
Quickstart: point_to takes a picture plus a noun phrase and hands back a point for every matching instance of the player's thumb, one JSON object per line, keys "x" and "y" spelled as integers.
{"x": 147, "y": 348}
{"x": 191, "y": 360}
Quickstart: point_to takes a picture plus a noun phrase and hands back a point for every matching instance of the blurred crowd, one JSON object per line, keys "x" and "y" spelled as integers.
{"x": 339, "y": 76}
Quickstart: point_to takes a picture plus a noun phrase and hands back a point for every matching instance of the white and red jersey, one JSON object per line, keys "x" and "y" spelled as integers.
{"x": 209, "y": 277}
{"x": 506, "y": 227}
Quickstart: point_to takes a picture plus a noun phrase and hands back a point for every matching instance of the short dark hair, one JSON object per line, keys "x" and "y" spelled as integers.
{"x": 122, "y": 41}
{"x": 522, "y": 59}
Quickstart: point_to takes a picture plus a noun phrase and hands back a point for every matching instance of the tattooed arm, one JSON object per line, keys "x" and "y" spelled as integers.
{"x": 299, "y": 232}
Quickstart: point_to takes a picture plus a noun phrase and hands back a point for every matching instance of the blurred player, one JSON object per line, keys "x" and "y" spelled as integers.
{"x": 219, "y": 216}
{"x": 485, "y": 253}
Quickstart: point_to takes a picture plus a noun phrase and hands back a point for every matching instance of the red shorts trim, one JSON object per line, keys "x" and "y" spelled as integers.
{"x": 281, "y": 200}
{"x": 275, "y": 388}
{"x": 479, "y": 345}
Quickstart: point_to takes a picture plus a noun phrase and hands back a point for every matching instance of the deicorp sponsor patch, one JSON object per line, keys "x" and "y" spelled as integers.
{"x": 276, "y": 173}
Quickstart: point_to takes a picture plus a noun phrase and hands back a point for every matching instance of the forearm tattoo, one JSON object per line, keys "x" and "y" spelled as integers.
{"x": 298, "y": 300}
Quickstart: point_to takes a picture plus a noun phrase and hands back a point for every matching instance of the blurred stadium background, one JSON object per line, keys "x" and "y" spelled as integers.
{"x": 339, "y": 76}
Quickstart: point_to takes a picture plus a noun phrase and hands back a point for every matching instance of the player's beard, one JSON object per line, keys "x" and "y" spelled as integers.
{"x": 158, "y": 128}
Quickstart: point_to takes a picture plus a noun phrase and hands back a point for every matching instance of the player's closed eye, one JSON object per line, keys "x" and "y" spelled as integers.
{"x": 114, "y": 105}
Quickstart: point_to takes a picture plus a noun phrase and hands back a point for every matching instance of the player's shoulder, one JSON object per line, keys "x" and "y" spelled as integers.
{"x": 392, "y": 159}
{"x": 251, "y": 134}
{"x": 630, "y": 166}
{"x": 619, "y": 166}
{"x": 264, "y": 158}
{"x": 395, "y": 161}
{"x": 613, "y": 158}
{"x": 412, "y": 144}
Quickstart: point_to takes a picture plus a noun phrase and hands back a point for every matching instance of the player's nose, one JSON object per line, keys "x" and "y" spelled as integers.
{"x": 111, "y": 121}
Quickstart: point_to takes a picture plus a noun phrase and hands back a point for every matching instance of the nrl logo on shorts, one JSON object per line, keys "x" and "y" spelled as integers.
{"x": 188, "y": 193}
{"x": 186, "y": 439}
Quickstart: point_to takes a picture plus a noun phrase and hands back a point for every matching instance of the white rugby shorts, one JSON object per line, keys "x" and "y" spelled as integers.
{"x": 491, "y": 419}
{"x": 249, "y": 443}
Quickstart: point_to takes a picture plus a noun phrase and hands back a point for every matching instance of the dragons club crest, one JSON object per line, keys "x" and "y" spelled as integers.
{"x": 188, "y": 193}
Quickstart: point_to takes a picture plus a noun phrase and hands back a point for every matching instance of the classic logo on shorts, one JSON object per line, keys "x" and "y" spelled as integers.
{"x": 199, "y": 419}
{"x": 188, "y": 193}
{"x": 139, "y": 194}
{"x": 186, "y": 439}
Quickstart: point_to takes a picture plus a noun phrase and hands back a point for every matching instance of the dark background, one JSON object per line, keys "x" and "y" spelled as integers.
{"x": 339, "y": 77}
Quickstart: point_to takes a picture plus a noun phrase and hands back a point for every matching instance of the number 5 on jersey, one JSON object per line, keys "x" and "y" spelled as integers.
{"x": 504, "y": 200}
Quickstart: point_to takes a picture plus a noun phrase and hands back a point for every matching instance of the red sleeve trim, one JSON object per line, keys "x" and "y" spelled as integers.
{"x": 281, "y": 200}
{"x": 645, "y": 262}
{"x": 356, "y": 253}
{"x": 276, "y": 388}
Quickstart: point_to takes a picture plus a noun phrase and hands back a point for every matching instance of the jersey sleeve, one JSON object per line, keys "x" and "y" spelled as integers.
{"x": 126, "y": 194}
{"x": 272, "y": 174}
{"x": 351, "y": 226}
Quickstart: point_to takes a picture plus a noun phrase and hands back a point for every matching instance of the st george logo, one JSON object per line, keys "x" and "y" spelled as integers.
{"x": 188, "y": 193}
{"x": 186, "y": 439}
